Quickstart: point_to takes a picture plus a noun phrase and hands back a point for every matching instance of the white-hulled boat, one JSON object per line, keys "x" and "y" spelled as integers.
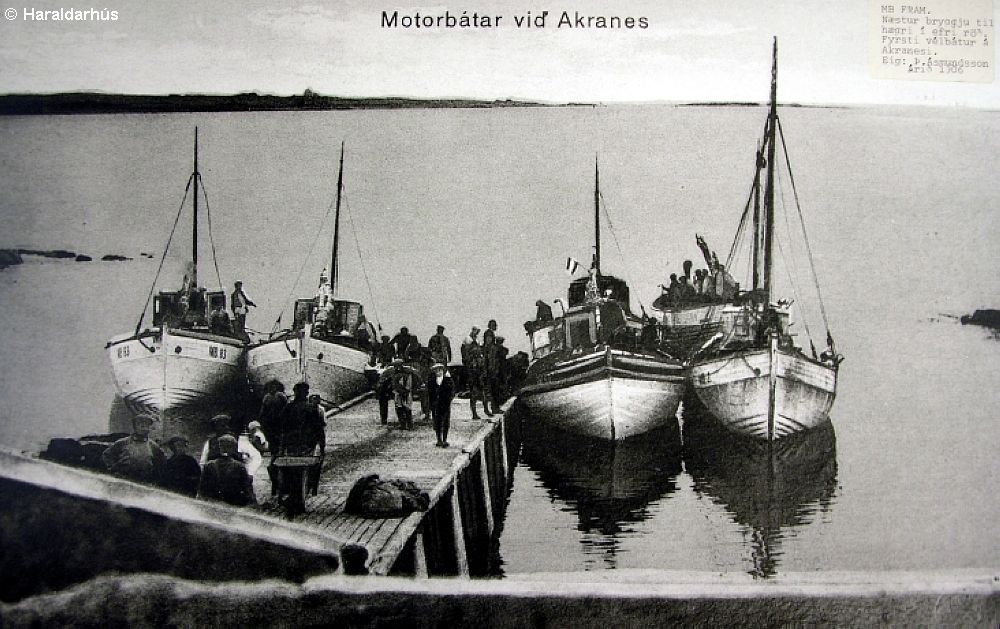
{"x": 751, "y": 376}
{"x": 593, "y": 374}
{"x": 181, "y": 361}
{"x": 323, "y": 347}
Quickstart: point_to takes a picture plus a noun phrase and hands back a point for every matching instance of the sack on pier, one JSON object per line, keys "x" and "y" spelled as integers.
{"x": 375, "y": 498}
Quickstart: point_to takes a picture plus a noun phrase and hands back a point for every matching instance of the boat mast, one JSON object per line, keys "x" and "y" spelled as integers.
{"x": 194, "y": 230}
{"x": 336, "y": 225}
{"x": 597, "y": 217}
{"x": 756, "y": 220}
{"x": 772, "y": 123}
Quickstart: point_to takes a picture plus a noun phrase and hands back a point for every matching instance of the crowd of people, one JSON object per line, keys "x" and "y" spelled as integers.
{"x": 229, "y": 458}
{"x": 407, "y": 371}
{"x": 706, "y": 285}
{"x": 410, "y": 371}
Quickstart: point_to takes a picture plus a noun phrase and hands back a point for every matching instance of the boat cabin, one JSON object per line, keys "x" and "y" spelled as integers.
{"x": 617, "y": 287}
{"x": 339, "y": 321}
{"x": 607, "y": 323}
{"x": 186, "y": 309}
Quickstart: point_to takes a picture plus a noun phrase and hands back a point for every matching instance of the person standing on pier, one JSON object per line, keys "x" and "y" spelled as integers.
{"x": 472, "y": 339}
{"x": 226, "y": 479}
{"x": 303, "y": 427}
{"x": 475, "y": 372}
{"x": 440, "y": 346}
{"x": 238, "y": 303}
{"x": 403, "y": 382}
{"x": 136, "y": 457}
{"x": 402, "y": 342}
{"x": 181, "y": 472}
{"x": 442, "y": 389}
{"x": 385, "y": 352}
{"x": 496, "y": 361}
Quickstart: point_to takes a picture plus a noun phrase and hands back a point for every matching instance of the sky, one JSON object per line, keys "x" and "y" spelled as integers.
{"x": 708, "y": 51}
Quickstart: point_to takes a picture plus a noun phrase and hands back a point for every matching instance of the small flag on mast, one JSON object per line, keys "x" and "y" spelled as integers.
{"x": 572, "y": 266}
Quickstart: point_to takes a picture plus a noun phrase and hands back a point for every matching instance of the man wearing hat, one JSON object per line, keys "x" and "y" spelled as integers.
{"x": 136, "y": 457}
{"x": 442, "y": 390}
{"x": 226, "y": 479}
{"x": 238, "y": 303}
{"x": 440, "y": 347}
{"x": 180, "y": 472}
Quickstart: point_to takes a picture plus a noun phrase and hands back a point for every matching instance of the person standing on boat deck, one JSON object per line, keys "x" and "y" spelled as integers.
{"x": 238, "y": 303}
{"x": 442, "y": 390}
{"x": 440, "y": 346}
{"x": 466, "y": 342}
{"x": 226, "y": 479}
{"x": 180, "y": 473}
{"x": 136, "y": 457}
{"x": 219, "y": 322}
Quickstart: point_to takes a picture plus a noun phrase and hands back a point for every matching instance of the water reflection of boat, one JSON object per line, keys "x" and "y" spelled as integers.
{"x": 594, "y": 371}
{"x": 187, "y": 358}
{"x": 769, "y": 487}
{"x": 607, "y": 484}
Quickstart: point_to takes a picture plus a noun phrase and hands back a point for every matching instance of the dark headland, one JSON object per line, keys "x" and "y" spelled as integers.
{"x": 102, "y": 103}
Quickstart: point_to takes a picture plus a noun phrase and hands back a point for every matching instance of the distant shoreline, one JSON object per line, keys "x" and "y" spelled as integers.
{"x": 103, "y": 103}
{"x": 100, "y": 103}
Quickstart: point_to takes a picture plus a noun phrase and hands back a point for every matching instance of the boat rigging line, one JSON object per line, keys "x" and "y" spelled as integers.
{"x": 305, "y": 261}
{"x": 614, "y": 235}
{"x": 361, "y": 258}
{"x": 187, "y": 188}
{"x": 805, "y": 236}
{"x": 211, "y": 240}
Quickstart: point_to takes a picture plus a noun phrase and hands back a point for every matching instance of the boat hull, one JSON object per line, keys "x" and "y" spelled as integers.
{"x": 177, "y": 375}
{"x": 735, "y": 389}
{"x": 334, "y": 372}
{"x": 607, "y": 394}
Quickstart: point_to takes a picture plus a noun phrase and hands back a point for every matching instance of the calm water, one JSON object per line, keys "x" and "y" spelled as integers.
{"x": 462, "y": 216}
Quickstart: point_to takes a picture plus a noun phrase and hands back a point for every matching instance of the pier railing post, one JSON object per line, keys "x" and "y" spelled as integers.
{"x": 419, "y": 555}
{"x": 484, "y": 475}
{"x": 461, "y": 559}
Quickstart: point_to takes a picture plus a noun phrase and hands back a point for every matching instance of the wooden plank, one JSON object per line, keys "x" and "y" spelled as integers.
{"x": 459, "y": 531}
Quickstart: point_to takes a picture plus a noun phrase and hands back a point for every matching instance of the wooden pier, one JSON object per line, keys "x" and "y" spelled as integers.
{"x": 467, "y": 483}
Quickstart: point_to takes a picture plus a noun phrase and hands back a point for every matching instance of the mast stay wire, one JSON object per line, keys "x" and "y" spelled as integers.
{"x": 302, "y": 268}
{"x": 211, "y": 240}
{"x": 142, "y": 315}
{"x": 361, "y": 258}
{"x": 805, "y": 236}
{"x": 614, "y": 235}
